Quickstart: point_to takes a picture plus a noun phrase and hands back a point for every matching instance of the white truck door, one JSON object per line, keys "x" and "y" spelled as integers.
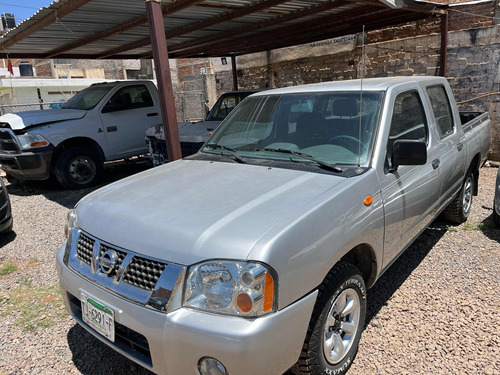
{"x": 410, "y": 193}
{"x": 126, "y": 116}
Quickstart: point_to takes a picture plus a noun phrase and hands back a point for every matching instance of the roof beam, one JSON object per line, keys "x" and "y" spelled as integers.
{"x": 409, "y": 5}
{"x": 140, "y": 20}
{"x": 49, "y": 19}
{"x": 311, "y": 31}
{"x": 327, "y": 33}
{"x": 276, "y": 34}
{"x": 259, "y": 25}
{"x": 227, "y": 16}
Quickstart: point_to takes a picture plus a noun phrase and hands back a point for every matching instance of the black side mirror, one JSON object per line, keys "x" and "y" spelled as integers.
{"x": 408, "y": 152}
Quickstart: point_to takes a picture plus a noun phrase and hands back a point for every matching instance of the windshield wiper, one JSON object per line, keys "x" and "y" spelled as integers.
{"x": 227, "y": 149}
{"x": 329, "y": 166}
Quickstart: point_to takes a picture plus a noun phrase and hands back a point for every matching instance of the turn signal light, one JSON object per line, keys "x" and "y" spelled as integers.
{"x": 368, "y": 200}
{"x": 268, "y": 293}
{"x": 39, "y": 144}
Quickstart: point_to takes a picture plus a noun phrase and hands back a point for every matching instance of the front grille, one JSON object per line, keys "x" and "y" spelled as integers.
{"x": 85, "y": 248}
{"x": 8, "y": 142}
{"x": 128, "y": 340}
{"x": 143, "y": 273}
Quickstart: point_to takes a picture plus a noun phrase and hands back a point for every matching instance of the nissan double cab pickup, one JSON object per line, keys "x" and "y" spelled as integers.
{"x": 254, "y": 255}
{"x": 104, "y": 122}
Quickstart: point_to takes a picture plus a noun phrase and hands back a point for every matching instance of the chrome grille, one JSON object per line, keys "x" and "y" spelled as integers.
{"x": 146, "y": 281}
{"x": 143, "y": 273}
{"x": 85, "y": 248}
{"x": 8, "y": 142}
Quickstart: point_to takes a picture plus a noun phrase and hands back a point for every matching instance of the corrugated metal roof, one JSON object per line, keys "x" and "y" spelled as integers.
{"x": 118, "y": 29}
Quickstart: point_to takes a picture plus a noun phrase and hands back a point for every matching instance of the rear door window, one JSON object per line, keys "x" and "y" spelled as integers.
{"x": 442, "y": 110}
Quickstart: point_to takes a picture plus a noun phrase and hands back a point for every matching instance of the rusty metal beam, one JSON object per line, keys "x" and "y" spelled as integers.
{"x": 164, "y": 79}
{"x": 134, "y": 22}
{"x": 409, "y": 5}
{"x": 328, "y": 32}
{"x": 260, "y": 25}
{"x": 321, "y": 28}
{"x": 44, "y": 22}
{"x": 299, "y": 28}
{"x": 243, "y": 11}
{"x": 443, "y": 56}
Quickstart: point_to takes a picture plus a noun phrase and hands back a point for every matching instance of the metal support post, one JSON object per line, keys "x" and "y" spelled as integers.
{"x": 235, "y": 76}
{"x": 444, "y": 45}
{"x": 164, "y": 79}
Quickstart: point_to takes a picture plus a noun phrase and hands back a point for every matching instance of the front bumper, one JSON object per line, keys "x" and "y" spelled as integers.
{"x": 174, "y": 343}
{"x": 27, "y": 165}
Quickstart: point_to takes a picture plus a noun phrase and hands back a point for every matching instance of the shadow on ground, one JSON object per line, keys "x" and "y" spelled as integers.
{"x": 6, "y": 238}
{"x": 91, "y": 356}
{"x": 51, "y": 189}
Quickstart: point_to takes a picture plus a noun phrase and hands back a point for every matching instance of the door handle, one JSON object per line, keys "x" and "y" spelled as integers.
{"x": 111, "y": 129}
{"x": 436, "y": 163}
{"x": 153, "y": 114}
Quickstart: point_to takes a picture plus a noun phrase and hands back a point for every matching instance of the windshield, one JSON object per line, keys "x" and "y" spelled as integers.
{"x": 331, "y": 127}
{"x": 87, "y": 99}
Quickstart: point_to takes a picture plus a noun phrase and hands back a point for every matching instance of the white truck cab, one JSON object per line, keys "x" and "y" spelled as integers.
{"x": 104, "y": 122}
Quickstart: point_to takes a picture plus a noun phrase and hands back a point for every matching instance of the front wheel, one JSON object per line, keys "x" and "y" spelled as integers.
{"x": 458, "y": 210}
{"x": 78, "y": 168}
{"x": 336, "y": 324}
{"x": 496, "y": 217}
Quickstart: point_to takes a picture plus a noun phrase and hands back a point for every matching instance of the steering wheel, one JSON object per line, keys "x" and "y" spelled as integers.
{"x": 347, "y": 141}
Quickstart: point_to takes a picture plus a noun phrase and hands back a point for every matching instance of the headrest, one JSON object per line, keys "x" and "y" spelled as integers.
{"x": 345, "y": 107}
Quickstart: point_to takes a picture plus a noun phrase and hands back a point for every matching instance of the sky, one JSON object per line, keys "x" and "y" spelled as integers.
{"x": 22, "y": 9}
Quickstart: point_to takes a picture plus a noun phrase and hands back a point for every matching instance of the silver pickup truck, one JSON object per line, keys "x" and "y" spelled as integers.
{"x": 253, "y": 256}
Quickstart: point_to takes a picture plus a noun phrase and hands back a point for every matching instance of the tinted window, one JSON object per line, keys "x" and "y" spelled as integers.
{"x": 408, "y": 120}
{"x": 87, "y": 99}
{"x": 130, "y": 97}
{"x": 442, "y": 110}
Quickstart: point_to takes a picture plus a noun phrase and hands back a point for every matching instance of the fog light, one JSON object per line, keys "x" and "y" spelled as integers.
{"x": 211, "y": 366}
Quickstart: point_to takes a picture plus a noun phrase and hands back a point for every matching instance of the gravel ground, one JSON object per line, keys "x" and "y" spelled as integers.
{"x": 435, "y": 311}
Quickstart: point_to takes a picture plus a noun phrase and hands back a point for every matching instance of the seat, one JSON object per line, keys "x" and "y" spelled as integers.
{"x": 310, "y": 130}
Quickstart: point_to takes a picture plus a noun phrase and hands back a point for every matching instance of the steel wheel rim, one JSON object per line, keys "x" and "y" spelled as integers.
{"x": 467, "y": 199}
{"x": 81, "y": 169}
{"x": 342, "y": 326}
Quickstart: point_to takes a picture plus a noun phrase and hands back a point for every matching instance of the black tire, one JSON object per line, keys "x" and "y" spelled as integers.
{"x": 458, "y": 209}
{"x": 78, "y": 168}
{"x": 8, "y": 229}
{"x": 496, "y": 217}
{"x": 327, "y": 324}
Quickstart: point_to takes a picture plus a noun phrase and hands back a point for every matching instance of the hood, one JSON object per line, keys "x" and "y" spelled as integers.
{"x": 21, "y": 120}
{"x": 189, "y": 211}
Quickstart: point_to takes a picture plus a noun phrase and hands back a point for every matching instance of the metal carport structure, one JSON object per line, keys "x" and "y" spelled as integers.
{"x": 138, "y": 29}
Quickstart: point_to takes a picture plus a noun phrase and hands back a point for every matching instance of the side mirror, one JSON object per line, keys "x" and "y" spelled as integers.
{"x": 408, "y": 152}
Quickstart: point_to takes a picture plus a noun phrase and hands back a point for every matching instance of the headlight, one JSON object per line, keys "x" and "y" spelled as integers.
{"x": 28, "y": 141}
{"x": 71, "y": 222}
{"x": 231, "y": 287}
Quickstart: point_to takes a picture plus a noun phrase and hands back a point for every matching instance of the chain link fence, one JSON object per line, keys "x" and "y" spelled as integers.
{"x": 13, "y": 108}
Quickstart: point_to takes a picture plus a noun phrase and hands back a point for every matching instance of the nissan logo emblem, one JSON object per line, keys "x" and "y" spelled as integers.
{"x": 107, "y": 262}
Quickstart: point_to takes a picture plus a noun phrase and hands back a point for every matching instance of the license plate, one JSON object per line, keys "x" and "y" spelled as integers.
{"x": 99, "y": 317}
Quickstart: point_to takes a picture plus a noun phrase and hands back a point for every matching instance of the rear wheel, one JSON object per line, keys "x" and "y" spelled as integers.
{"x": 336, "y": 324}
{"x": 458, "y": 210}
{"x": 78, "y": 168}
{"x": 496, "y": 217}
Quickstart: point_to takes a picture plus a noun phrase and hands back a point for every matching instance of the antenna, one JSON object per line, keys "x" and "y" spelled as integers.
{"x": 361, "y": 94}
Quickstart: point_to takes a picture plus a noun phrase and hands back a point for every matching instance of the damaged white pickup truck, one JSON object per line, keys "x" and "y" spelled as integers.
{"x": 253, "y": 256}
